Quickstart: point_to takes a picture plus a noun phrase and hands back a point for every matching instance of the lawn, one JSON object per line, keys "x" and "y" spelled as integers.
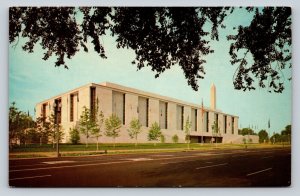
{"x": 130, "y": 147}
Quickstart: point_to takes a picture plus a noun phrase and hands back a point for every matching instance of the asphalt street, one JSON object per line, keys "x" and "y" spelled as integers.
{"x": 214, "y": 168}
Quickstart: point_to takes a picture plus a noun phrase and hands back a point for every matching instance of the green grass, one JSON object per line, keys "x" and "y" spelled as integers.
{"x": 128, "y": 146}
{"x": 93, "y": 147}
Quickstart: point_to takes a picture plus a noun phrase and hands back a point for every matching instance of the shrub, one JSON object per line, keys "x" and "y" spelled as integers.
{"x": 175, "y": 139}
{"x": 74, "y": 136}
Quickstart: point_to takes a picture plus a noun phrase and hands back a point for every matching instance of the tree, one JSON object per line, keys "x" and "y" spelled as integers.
{"x": 14, "y": 128}
{"x": 263, "y": 136}
{"x": 162, "y": 37}
{"x": 246, "y": 131}
{"x": 215, "y": 131}
{"x": 187, "y": 130}
{"x": 20, "y": 123}
{"x": 99, "y": 121}
{"x": 175, "y": 138}
{"x": 74, "y": 136}
{"x": 267, "y": 39}
{"x": 275, "y": 138}
{"x": 134, "y": 129}
{"x": 162, "y": 138}
{"x": 87, "y": 124}
{"x": 287, "y": 133}
{"x": 42, "y": 129}
{"x": 112, "y": 126}
{"x": 56, "y": 131}
{"x": 154, "y": 133}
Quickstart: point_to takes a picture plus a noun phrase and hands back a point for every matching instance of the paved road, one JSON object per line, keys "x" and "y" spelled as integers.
{"x": 221, "y": 168}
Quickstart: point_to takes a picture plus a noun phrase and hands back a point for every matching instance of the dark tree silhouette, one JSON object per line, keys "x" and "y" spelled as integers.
{"x": 268, "y": 40}
{"x": 162, "y": 37}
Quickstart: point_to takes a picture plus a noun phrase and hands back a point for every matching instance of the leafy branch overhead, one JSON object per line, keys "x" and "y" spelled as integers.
{"x": 162, "y": 37}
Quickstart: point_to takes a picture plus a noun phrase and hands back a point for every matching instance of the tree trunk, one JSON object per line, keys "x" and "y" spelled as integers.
{"x": 114, "y": 143}
{"x": 86, "y": 142}
{"x": 97, "y": 144}
{"x": 135, "y": 141}
{"x": 40, "y": 141}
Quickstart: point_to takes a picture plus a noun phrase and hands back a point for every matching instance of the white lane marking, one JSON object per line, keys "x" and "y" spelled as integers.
{"x": 30, "y": 177}
{"x": 163, "y": 155}
{"x": 57, "y": 162}
{"x": 13, "y": 166}
{"x": 69, "y": 166}
{"x": 259, "y": 171}
{"x": 211, "y": 166}
{"x": 266, "y": 157}
{"x": 177, "y": 162}
{"x": 139, "y": 159}
{"x": 216, "y": 154}
{"x": 208, "y": 162}
{"x": 106, "y": 163}
{"x": 93, "y": 163}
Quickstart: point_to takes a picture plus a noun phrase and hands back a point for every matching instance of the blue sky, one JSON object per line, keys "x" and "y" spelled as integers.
{"x": 32, "y": 80}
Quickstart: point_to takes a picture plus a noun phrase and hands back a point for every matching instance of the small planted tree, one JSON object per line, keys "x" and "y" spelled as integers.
{"x": 154, "y": 133}
{"x": 74, "y": 136}
{"x": 187, "y": 130}
{"x": 99, "y": 121}
{"x": 87, "y": 124}
{"x": 42, "y": 128}
{"x": 215, "y": 131}
{"x": 162, "y": 138}
{"x": 56, "y": 131}
{"x": 112, "y": 126}
{"x": 134, "y": 129}
{"x": 175, "y": 138}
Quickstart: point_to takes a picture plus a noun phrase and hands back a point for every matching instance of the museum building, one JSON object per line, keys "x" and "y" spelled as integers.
{"x": 129, "y": 103}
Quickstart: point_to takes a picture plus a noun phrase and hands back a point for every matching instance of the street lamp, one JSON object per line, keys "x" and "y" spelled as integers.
{"x": 56, "y": 127}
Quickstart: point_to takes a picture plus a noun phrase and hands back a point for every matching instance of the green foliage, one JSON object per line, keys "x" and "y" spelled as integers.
{"x": 175, "y": 139}
{"x": 275, "y": 138}
{"x": 187, "y": 129}
{"x": 244, "y": 140}
{"x": 215, "y": 129}
{"x": 246, "y": 131}
{"x": 87, "y": 124}
{"x": 43, "y": 129}
{"x": 134, "y": 129}
{"x": 267, "y": 42}
{"x": 287, "y": 130}
{"x": 263, "y": 136}
{"x": 99, "y": 122}
{"x": 112, "y": 126}
{"x": 250, "y": 140}
{"x": 56, "y": 130}
{"x": 162, "y": 37}
{"x": 74, "y": 136}
{"x": 154, "y": 132}
{"x": 162, "y": 138}
{"x": 20, "y": 124}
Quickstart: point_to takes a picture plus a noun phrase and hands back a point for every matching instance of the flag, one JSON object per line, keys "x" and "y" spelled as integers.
{"x": 269, "y": 125}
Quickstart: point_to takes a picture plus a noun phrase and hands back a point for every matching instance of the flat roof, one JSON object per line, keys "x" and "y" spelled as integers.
{"x": 126, "y": 89}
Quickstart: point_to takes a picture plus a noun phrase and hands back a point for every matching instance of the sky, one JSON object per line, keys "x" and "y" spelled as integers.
{"x": 32, "y": 80}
